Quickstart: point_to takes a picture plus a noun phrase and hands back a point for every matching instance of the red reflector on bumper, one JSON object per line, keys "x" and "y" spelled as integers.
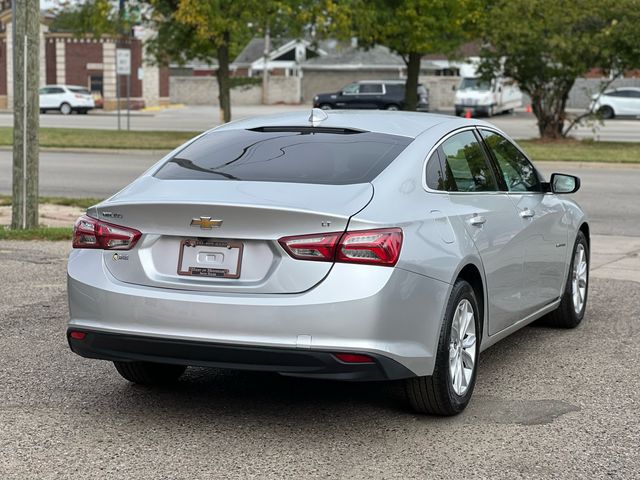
{"x": 77, "y": 335}
{"x": 353, "y": 358}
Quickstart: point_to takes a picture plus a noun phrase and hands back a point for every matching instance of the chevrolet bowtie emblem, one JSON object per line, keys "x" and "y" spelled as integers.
{"x": 206, "y": 223}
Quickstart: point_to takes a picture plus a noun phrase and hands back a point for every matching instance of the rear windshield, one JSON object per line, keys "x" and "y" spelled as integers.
{"x": 296, "y": 156}
{"x": 84, "y": 91}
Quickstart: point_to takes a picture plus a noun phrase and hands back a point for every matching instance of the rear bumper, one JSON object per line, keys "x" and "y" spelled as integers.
{"x": 474, "y": 109}
{"x": 287, "y": 361}
{"x": 379, "y": 311}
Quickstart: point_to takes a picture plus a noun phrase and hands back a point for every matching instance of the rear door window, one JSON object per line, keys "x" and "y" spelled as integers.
{"x": 371, "y": 88}
{"x": 289, "y": 154}
{"x": 465, "y": 165}
{"x": 83, "y": 91}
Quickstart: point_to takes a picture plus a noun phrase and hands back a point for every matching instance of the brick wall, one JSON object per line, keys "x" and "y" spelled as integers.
{"x": 77, "y": 56}
{"x": 3, "y": 67}
{"x": 204, "y": 91}
{"x": 50, "y": 62}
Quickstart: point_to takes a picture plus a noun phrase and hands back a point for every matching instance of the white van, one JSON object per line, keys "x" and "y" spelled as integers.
{"x": 479, "y": 97}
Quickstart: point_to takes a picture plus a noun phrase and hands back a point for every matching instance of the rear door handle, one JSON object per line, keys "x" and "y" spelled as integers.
{"x": 527, "y": 213}
{"x": 477, "y": 220}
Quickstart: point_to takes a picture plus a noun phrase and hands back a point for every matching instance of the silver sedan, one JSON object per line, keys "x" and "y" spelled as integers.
{"x": 341, "y": 245}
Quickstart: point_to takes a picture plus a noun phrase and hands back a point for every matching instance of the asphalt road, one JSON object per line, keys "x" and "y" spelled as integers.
{"x": 610, "y": 194}
{"x": 548, "y": 404}
{"x": 199, "y": 118}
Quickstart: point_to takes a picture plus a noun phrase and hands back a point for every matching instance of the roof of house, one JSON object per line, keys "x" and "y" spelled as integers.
{"x": 251, "y": 52}
{"x": 468, "y": 49}
{"x": 254, "y": 50}
{"x": 353, "y": 57}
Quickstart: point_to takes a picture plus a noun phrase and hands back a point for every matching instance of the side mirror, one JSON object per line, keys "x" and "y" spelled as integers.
{"x": 562, "y": 183}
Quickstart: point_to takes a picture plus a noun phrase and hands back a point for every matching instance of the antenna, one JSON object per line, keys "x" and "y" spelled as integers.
{"x": 317, "y": 116}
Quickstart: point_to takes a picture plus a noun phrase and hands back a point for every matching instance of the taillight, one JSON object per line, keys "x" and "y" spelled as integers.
{"x": 378, "y": 247}
{"x": 89, "y": 232}
{"x": 320, "y": 247}
{"x": 374, "y": 247}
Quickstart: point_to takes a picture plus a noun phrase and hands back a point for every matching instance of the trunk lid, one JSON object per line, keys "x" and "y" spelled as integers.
{"x": 253, "y": 215}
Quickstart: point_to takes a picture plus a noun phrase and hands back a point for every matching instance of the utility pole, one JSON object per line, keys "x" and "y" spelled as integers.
{"x": 26, "y": 108}
{"x": 265, "y": 66}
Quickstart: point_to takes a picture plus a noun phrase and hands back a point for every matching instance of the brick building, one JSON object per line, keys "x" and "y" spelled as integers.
{"x": 87, "y": 61}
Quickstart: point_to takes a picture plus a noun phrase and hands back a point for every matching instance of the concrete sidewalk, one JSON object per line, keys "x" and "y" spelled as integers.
{"x": 615, "y": 257}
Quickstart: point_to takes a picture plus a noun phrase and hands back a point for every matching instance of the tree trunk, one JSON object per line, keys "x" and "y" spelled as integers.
{"x": 548, "y": 104}
{"x": 26, "y": 79}
{"x": 411, "y": 86}
{"x": 224, "y": 83}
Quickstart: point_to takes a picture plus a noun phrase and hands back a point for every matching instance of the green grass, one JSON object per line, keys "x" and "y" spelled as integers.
{"x": 582, "y": 151}
{"x": 42, "y": 233}
{"x": 71, "y": 202}
{"x": 563, "y": 150}
{"x": 112, "y": 139}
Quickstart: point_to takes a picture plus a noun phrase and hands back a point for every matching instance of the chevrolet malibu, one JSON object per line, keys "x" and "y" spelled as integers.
{"x": 341, "y": 245}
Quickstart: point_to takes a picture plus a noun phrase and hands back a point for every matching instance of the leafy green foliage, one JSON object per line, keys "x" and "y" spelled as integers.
{"x": 98, "y": 17}
{"x": 216, "y": 29}
{"x": 413, "y": 28}
{"x": 546, "y": 44}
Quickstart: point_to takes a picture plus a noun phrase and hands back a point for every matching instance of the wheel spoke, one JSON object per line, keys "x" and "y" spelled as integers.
{"x": 467, "y": 360}
{"x": 469, "y": 341}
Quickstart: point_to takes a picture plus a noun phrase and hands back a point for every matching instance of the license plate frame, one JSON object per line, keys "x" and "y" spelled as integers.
{"x": 210, "y": 272}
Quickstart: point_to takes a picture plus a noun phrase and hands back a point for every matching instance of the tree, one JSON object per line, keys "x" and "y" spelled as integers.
{"x": 546, "y": 44}
{"x": 97, "y": 17}
{"x": 413, "y": 28}
{"x": 214, "y": 29}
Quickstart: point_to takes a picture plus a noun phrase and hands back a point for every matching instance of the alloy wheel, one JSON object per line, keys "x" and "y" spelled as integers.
{"x": 462, "y": 347}
{"x": 579, "y": 278}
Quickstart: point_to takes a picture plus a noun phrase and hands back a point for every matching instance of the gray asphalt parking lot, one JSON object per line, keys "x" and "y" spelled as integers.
{"x": 548, "y": 403}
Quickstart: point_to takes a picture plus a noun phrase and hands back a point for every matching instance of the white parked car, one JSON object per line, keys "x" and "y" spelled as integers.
{"x": 66, "y": 99}
{"x": 619, "y": 101}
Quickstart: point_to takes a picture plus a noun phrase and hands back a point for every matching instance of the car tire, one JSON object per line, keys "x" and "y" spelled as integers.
{"x": 42, "y": 111}
{"x": 606, "y": 112}
{"x": 491, "y": 111}
{"x": 326, "y": 106}
{"x": 573, "y": 304}
{"x": 436, "y": 394}
{"x": 65, "y": 109}
{"x": 144, "y": 373}
{"x": 393, "y": 107}
{"x": 82, "y": 111}
{"x": 458, "y": 113}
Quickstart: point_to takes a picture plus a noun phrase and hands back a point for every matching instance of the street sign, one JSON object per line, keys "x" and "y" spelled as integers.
{"x": 123, "y": 61}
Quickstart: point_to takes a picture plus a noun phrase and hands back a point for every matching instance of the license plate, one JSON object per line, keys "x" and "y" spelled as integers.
{"x": 205, "y": 257}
